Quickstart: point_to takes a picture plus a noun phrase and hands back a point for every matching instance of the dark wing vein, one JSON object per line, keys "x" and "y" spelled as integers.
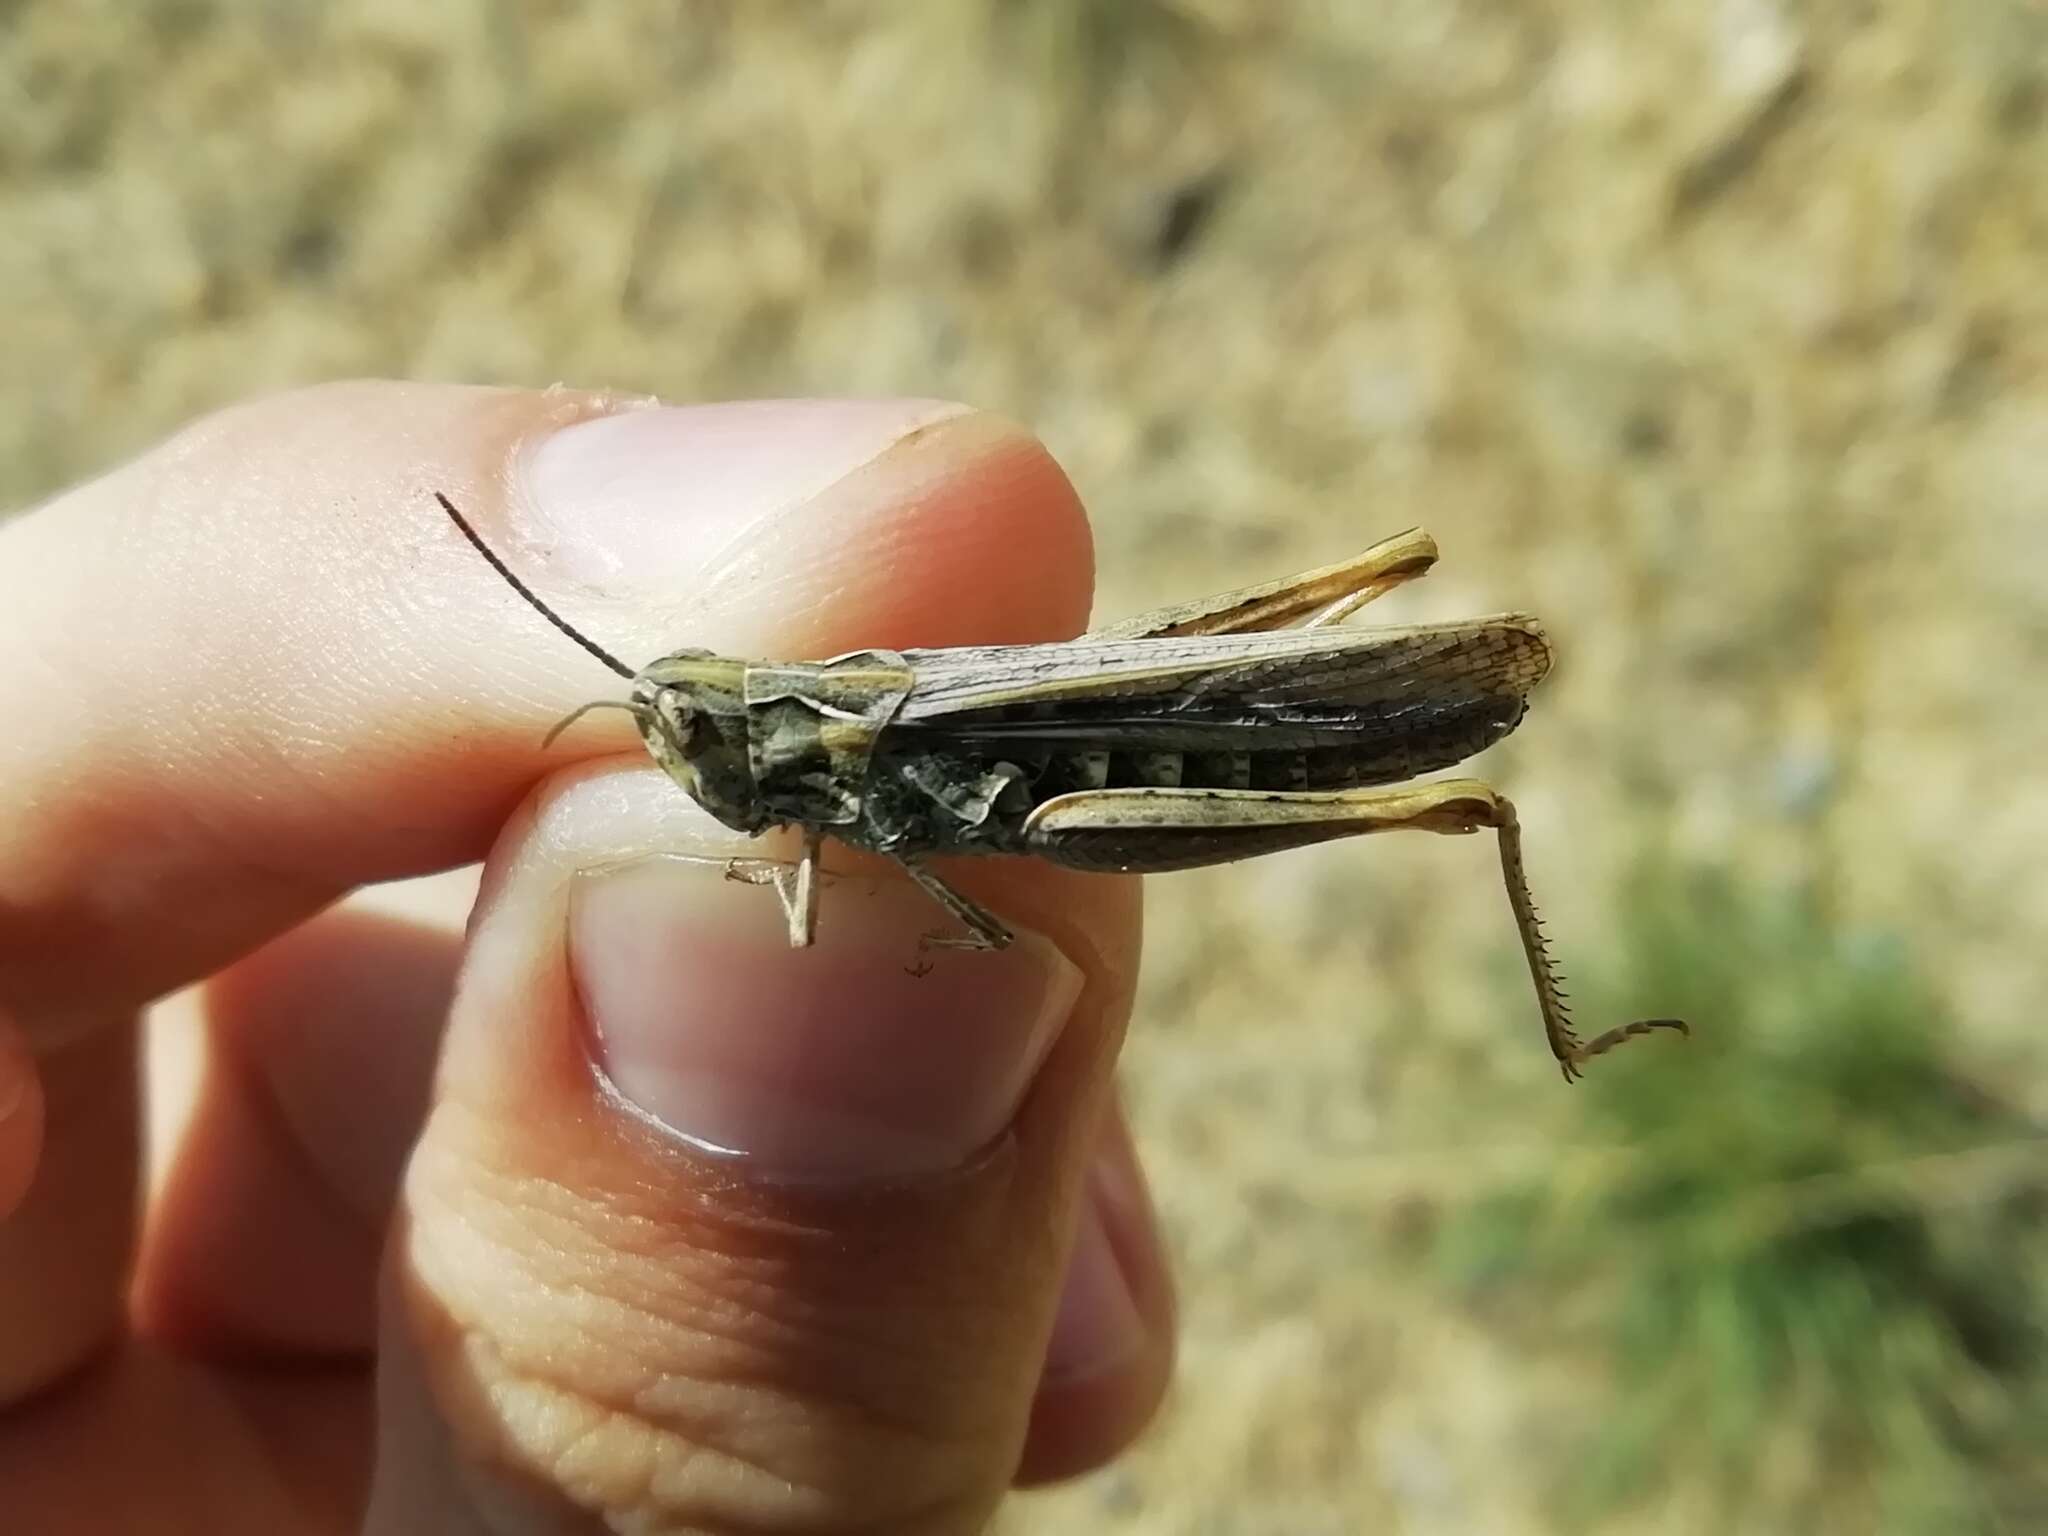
{"x": 1265, "y": 691}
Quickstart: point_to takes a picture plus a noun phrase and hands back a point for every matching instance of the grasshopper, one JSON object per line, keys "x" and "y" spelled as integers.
{"x": 1198, "y": 734}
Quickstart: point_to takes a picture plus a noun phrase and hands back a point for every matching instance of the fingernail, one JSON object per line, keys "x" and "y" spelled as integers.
{"x": 828, "y": 1063}
{"x": 1097, "y": 1328}
{"x": 653, "y": 494}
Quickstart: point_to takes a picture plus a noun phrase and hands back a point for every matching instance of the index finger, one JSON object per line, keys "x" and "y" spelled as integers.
{"x": 257, "y": 667}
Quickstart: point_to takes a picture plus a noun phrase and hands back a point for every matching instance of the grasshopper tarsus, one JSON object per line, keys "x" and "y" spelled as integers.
{"x": 1600, "y": 1044}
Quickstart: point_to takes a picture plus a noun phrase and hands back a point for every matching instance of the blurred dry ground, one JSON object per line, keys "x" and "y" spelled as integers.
{"x": 1715, "y": 334}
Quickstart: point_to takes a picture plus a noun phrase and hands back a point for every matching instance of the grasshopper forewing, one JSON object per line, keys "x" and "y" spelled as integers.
{"x": 1248, "y": 723}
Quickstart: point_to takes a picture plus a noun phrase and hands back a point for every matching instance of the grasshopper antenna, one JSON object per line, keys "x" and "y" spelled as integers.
{"x": 526, "y": 592}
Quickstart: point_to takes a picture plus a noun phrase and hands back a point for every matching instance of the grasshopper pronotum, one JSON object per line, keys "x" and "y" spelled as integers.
{"x": 1198, "y": 734}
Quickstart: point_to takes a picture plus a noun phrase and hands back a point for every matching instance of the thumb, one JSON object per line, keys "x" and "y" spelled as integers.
{"x": 709, "y": 1234}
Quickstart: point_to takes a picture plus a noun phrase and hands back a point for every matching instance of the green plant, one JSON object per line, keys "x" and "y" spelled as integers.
{"x": 1809, "y": 1251}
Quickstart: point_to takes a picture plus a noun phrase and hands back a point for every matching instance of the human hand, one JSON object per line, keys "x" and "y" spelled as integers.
{"x": 256, "y": 670}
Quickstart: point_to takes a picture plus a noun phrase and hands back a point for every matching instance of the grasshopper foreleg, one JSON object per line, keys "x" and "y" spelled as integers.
{"x": 1144, "y": 830}
{"x": 796, "y": 885}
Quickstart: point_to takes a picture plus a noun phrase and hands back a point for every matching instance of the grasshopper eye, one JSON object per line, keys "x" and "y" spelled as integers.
{"x": 678, "y": 716}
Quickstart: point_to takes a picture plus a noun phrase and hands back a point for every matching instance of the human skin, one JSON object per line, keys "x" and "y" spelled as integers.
{"x": 436, "y": 1237}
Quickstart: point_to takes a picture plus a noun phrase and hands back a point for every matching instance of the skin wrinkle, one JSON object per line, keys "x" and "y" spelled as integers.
{"x": 525, "y": 1456}
{"x": 737, "y": 1236}
{"x": 833, "y": 1335}
{"x": 708, "y": 1425}
{"x": 571, "y": 1276}
{"x": 740, "y": 1290}
{"x": 669, "y": 1448}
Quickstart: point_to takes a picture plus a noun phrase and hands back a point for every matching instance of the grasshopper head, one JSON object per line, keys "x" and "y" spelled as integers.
{"x": 693, "y": 717}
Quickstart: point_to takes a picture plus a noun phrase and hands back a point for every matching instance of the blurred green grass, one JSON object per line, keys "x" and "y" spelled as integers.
{"x": 1807, "y": 1249}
